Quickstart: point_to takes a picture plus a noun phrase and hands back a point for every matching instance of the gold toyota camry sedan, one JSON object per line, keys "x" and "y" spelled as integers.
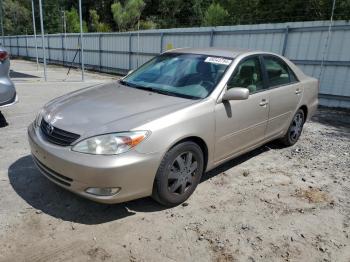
{"x": 158, "y": 129}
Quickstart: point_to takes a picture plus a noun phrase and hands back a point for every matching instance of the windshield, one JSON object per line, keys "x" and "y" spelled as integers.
{"x": 185, "y": 75}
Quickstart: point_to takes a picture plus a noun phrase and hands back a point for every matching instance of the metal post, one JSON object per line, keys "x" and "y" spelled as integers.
{"x": 211, "y": 41}
{"x": 36, "y": 42}
{"x": 161, "y": 43}
{"x": 65, "y": 37}
{"x": 326, "y": 46}
{"x": 2, "y": 24}
{"x": 138, "y": 43}
{"x": 17, "y": 45}
{"x": 129, "y": 52}
{"x": 26, "y": 44}
{"x": 100, "y": 51}
{"x": 63, "y": 52}
{"x": 286, "y": 32}
{"x": 48, "y": 48}
{"x": 81, "y": 42}
{"x": 42, "y": 37}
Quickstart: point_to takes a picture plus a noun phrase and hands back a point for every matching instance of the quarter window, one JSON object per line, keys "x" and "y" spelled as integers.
{"x": 248, "y": 75}
{"x": 278, "y": 72}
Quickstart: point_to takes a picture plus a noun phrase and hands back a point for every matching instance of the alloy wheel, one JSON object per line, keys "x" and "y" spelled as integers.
{"x": 182, "y": 173}
{"x": 297, "y": 127}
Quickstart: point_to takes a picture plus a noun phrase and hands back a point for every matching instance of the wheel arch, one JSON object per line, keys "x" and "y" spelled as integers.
{"x": 200, "y": 142}
{"x": 305, "y": 110}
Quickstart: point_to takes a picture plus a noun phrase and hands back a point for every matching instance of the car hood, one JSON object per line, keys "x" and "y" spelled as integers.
{"x": 109, "y": 108}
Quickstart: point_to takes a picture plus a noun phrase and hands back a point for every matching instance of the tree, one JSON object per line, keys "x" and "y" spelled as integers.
{"x": 122, "y": 15}
{"x": 180, "y": 13}
{"x": 215, "y": 15}
{"x": 127, "y": 16}
{"x": 52, "y": 15}
{"x": 148, "y": 24}
{"x": 17, "y": 18}
{"x": 73, "y": 22}
{"x": 95, "y": 24}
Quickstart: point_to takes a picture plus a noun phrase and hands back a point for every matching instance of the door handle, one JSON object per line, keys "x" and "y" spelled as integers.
{"x": 263, "y": 102}
{"x": 297, "y": 91}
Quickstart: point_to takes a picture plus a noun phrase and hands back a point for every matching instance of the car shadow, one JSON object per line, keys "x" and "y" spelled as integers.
{"x": 238, "y": 160}
{"x": 337, "y": 119}
{"x": 47, "y": 197}
{"x": 3, "y": 122}
{"x": 15, "y": 74}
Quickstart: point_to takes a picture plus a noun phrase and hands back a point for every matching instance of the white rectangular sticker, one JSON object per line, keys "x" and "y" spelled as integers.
{"x": 218, "y": 60}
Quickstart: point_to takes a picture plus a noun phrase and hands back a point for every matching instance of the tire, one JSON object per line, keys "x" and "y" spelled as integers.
{"x": 178, "y": 174}
{"x": 295, "y": 129}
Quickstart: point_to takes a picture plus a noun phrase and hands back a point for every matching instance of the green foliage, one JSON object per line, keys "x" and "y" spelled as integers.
{"x": 73, "y": 22}
{"x": 127, "y": 16}
{"x": 148, "y": 24}
{"x": 95, "y": 24}
{"x": 123, "y": 15}
{"x": 16, "y": 18}
{"x": 271, "y": 11}
{"x": 52, "y": 16}
{"x": 215, "y": 15}
{"x": 181, "y": 13}
{"x": 118, "y": 14}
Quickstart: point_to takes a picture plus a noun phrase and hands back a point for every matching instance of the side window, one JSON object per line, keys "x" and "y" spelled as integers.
{"x": 248, "y": 75}
{"x": 278, "y": 72}
{"x": 293, "y": 77}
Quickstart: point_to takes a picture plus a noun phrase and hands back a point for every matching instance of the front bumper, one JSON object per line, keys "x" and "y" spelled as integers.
{"x": 133, "y": 172}
{"x": 11, "y": 102}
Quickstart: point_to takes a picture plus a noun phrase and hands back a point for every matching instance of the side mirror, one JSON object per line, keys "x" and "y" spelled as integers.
{"x": 236, "y": 93}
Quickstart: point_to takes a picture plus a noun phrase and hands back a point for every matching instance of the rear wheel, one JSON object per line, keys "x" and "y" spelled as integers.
{"x": 178, "y": 174}
{"x": 295, "y": 129}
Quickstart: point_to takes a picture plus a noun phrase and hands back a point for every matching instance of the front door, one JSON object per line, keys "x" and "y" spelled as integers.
{"x": 241, "y": 124}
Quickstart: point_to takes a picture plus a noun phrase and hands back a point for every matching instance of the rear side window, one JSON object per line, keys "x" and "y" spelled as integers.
{"x": 278, "y": 72}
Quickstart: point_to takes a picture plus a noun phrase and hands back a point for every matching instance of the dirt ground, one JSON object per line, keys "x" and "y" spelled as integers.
{"x": 273, "y": 204}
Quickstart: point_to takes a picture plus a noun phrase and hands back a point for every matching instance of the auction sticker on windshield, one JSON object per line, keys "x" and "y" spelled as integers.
{"x": 218, "y": 60}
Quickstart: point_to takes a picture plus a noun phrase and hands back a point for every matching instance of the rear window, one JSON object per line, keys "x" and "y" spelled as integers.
{"x": 278, "y": 72}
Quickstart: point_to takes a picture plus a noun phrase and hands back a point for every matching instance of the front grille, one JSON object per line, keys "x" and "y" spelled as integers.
{"x": 57, "y": 136}
{"x": 63, "y": 180}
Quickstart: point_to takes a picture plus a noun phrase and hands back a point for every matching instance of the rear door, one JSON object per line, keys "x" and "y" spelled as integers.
{"x": 241, "y": 124}
{"x": 285, "y": 92}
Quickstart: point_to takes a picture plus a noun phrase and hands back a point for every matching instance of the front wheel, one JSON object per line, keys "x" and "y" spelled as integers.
{"x": 295, "y": 129}
{"x": 178, "y": 174}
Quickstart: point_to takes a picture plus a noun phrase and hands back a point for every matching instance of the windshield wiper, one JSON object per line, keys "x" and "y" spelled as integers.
{"x": 146, "y": 88}
{"x": 161, "y": 91}
{"x": 135, "y": 86}
{"x": 155, "y": 90}
{"x": 126, "y": 83}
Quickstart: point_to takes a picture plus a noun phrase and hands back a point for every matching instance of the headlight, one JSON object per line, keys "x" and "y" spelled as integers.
{"x": 110, "y": 144}
{"x": 39, "y": 117}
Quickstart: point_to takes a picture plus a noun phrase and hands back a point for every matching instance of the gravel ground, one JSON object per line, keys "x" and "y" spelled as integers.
{"x": 273, "y": 204}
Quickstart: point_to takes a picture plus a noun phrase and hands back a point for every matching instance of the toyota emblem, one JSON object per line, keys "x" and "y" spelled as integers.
{"x": 49, "y": 129}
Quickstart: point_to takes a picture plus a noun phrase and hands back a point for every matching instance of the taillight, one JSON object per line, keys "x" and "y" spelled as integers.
{"x": 3, "y": 55}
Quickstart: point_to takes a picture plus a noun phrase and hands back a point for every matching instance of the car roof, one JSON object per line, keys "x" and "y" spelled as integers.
{"x": 231, "y": 53}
